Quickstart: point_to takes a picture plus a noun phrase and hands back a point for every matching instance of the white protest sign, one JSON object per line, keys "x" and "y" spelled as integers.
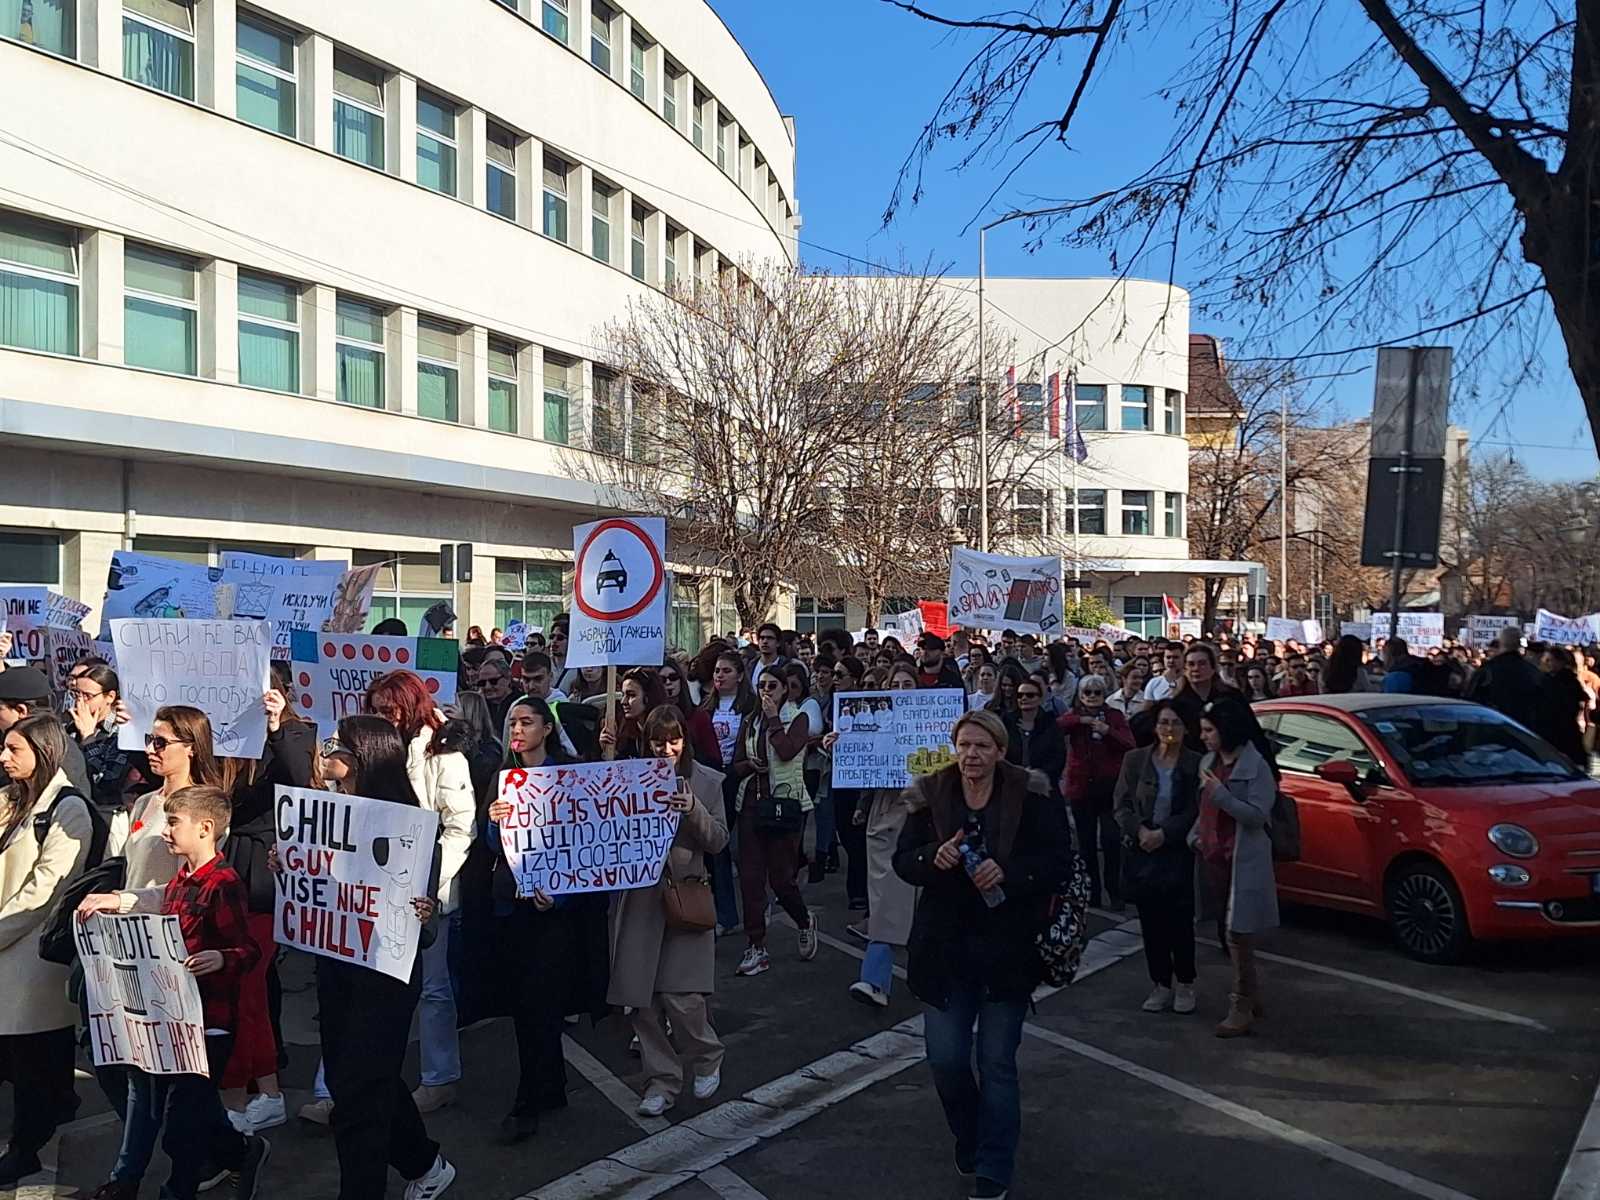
{"x": 1566, "y": 631}
{"x": 289, "y": 602}
{"x": 619, "y": 593}
{"x": 144, "y": 1004}
{"x": 589, "y": 827}
{"x": 24, "y": 608}
{"x": 330, "y": 671}
{"x": 909, "y": 624}
{"x": 888, "y": 738}
{"x": 141, "y": 585}
{"x": 62, "y": 649}
{"x": 515, "y": 636}
{"x": 1188, "y": 627}
{"x": 994, "y": 591}
{"x": 1083, "y": 634}
{"x": 1360, "y": 629}
{"x": 223, "y": 668}
{"x": 280, "y": 568}
{"x": 350, "y": 869}
{"x": 1283, "y": 629}
{"x": 1419, "y": 630}
{"x": 1483, "y": 630}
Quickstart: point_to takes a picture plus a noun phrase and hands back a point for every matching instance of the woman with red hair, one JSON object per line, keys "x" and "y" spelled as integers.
{"x": 440, "y": 777}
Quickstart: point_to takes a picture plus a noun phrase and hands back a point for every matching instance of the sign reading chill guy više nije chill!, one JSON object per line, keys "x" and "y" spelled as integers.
{"x": 619, "y": 593}
{"x": 350, "y": 868}
{"x": 331, "y": 671}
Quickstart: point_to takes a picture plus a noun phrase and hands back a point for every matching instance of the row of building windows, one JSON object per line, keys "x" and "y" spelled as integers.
{"x": 158, "y": 51}
{"x": 1097, "y": 406}
{"x": 1142, "y": 512}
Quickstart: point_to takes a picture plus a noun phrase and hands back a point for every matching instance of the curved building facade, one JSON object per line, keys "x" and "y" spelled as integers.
{"x": 324, "y": 279}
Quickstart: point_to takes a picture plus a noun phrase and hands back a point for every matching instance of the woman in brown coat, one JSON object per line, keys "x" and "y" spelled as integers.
{"x": 665, "y": 974}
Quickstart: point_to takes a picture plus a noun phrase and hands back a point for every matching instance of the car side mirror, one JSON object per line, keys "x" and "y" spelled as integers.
{"x": 1341, "y": 771}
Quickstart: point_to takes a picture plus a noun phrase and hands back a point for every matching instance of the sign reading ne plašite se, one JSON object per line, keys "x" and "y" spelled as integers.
{"x": 619, "y": 593}
{"x": 888, "y": 738}
{"x": 220, "y": 667}
{"x": 350, "y": 869}
{"x": 144, "y": 1004}
{"x": 995, "y": 591}
{"x": 588, "y": 827}
{"x": 331, "y": 671}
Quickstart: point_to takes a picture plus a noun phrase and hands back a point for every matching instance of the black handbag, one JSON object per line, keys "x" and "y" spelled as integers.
{"x": 1149, "y": 877}
{"x": 777, "y": 811}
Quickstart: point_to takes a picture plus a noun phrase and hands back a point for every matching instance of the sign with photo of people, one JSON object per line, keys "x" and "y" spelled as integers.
{"x": 888, "y": 738}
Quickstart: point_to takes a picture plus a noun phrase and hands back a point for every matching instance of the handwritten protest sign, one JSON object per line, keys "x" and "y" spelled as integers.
{"x": 1566, "y": 631}
{"x": 24, "y": 608}
{"x": 1482, "y": 630}
{"x": 619, "y": 593}
{"x": 1283, "y": 629}
{"x": 63, "y": 648}
{"x": 331, "y": 671}
{"x": 591, "y": 827}
{"x": 350, "y": 869}
{"x": 272, "y": 567}
{"x": 1419, "y": 630}
{"x": 141, "y": 585}
{"x": 290, "y": 603}
{"x": 995, "y": 591}
{"x": 220, "y": 667}
{"x": 887, "y": 738}
{"x": 144, "y": 1004}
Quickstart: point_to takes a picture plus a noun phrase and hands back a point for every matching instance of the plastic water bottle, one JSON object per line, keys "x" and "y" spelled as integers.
{"x": 972, "y": 857}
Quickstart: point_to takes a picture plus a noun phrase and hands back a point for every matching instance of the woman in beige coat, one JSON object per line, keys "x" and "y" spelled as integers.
{"x": 42, "y": 844}
{"x": 665, "y": 974}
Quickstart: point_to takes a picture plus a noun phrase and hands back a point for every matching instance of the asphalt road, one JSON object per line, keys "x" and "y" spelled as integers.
{"x": 1371, "y": 1078}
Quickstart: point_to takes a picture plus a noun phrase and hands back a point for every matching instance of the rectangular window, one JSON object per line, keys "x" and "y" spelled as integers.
{"x": 724, "y": 131}
{"x": 500, "y": 172}
{"x": 357, "y": 110}
{"x": 1136, "y": 513}
{"x": 438, "y": 371}
{"x": 646, "y": 422}
{"x": 1144, "y": 615}
{"x": 813, "y": 614}
{"x": 532, "y": 592}
{"x": 600, "y": 17}
{"x": 636, "y": 243}
{"x": 744, "y": 145}
{"x": 1086, "y": 510}
{"x": 48, "y": 24}
{"x": 1174, "y": 411}
{"x": 1031, "y": 409}
{"x": 407, "y": 586}
{"x": 30, "y": 558}
{"x": 1032, "y": 508}
{"x": 557, "y": 396}
{"x": 636, "y": 76}
{"x": 685, "y": 629}
{"x": 1135, "y": 407}
{"x": 1174, "y": 515}
{"x": 556, "y": 22}
{"x": 266, "y": 78}
{"x": 697, "y": 120}
{"x": 1090, "y": 405}
{"x": 359, "y": 344}
{"x": 269, "y": 332}
{"x": 555, "y": 198}
{"x": 600, "y": 223}
{"x": 673, "y": 233}
{"x": 671, "y": 81}
{"x": 38, "y": 285}
{"x": 503, "y": 380}
{"x": 160, "y": 317}
{"x": 436, "y": 143}
{"x": 606, "y": 414}
{"x": 158, "y": 45}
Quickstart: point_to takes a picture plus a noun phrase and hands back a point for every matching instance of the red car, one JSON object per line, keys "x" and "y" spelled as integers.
{"x": 1449, "y": 820}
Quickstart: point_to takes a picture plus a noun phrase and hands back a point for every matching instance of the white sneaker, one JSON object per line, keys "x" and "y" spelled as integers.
{"x": 431, "y": 1097}
{"x": 240, "y": 1119}
{"x": 754, "y": 962}
{"x": 808, "y": 938}
{"x": 655, "y": 1104}
{"x": 869, "y": 993}
{"x": 1159, "y": 1000}
{"x": 439, "y": 1177}
{"x": 705, "y": 1086}
{"x": 1183, "y": 998}
{"x": 266, "y": 1112}
{"x": 318, "y": 1112}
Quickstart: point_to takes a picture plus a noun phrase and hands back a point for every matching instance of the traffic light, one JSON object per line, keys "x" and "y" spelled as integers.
{"x": 455, "y": 562}
{"x": 464, "y": 562}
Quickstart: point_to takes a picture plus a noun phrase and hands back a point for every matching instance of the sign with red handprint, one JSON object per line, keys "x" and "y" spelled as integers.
{"x": 144, "y": 1004}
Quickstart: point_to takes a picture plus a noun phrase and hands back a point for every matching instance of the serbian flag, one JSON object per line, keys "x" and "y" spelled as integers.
{"x": 1174, "y": 613}
{"x": 1055, "y": 405}
{"x": 1074, "y": 444}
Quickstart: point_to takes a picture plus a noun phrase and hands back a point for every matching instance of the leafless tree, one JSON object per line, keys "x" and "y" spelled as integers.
{"x": 1354, "y": 172}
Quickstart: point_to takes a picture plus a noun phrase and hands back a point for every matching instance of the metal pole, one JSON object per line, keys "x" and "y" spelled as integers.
{"x": 983, "y": 410}
{"x": 1397, "y": 552}
{"x": 1283, "y": 507}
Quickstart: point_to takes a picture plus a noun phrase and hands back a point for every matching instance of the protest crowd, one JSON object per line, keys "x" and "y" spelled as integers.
{"x": 1128, "y": 768}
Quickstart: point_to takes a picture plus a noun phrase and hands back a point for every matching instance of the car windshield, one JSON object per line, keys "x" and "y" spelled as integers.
{"x": 1458, "y": 745}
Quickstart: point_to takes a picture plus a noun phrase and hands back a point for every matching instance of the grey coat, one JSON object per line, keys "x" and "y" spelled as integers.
{"x": 891, "y": 901}
{"x": 646, "y": 957}
{"x": 1247, "y": 797}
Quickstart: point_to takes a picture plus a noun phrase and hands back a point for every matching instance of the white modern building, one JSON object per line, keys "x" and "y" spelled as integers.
{"x": 1117, "y": 517}
{"x": 322, "y": 278}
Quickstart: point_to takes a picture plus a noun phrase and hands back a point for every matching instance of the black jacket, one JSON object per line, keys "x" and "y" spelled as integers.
{"x": 1560, "y": 700}
{"x": 107, "y": 766}
{"x": 954, "y": 935}
{"x": 285, "y": 761}
{"x": 1191, "y": 707}
{"x": 1510, "y": 684}
{"x": 948, "y": 676}
{"x": 1045, "y": 750}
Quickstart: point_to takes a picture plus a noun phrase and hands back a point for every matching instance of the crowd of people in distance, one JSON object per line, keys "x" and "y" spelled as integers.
{"x": 1141, "y": 758}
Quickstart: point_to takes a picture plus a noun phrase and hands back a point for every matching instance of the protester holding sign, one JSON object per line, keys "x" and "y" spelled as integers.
{"x": 36, "y": 1019}
{"x": 663, "y": 939}
{"x": 442, "y": 781}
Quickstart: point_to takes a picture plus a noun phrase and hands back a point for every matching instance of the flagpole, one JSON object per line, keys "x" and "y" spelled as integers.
{"x": 983, "y": 410}
{"x": 1072, "y": 452}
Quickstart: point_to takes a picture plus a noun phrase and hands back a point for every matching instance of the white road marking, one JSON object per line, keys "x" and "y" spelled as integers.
{"x": 1343, "y": 1155}
{"x": 729, "y": 1186}
{"x": 1581, "y": 1178}
{"x": 1400, "y": 989}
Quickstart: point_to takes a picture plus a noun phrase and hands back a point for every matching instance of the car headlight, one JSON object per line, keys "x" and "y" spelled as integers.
{"x": 1514, "y": 840}
{"x": 1510, "y": 875}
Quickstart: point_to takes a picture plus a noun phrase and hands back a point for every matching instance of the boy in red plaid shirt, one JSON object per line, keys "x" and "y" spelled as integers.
{"x": 208, "y": 899}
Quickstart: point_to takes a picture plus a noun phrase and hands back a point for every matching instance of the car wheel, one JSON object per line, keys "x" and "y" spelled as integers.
{"x": 1426, "y": 913}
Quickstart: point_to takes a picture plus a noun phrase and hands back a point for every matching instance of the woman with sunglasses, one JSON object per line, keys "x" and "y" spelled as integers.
{"x": 1036, "y": 741}
{"x": 1097, "y": 739}
{"x": 179, "y": 751}
{"x": 728, "y": 704}
{"x": 675, "y": 686}
{"x": 769, "y": 762}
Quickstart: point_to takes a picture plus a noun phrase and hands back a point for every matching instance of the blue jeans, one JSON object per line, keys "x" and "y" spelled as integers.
{"x": 984, "y": 1113}
{"x": 877, "y": 968}
{"x": 823, "y": 815}
{"x": 436, "y": 1014}
{"x": 197, "y": 1133}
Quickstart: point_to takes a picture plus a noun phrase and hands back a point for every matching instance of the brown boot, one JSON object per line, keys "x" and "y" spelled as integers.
{"x": 1237, "y": 1022}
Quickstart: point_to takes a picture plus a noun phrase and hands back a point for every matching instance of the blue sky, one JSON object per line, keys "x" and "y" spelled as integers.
{"x": 861, "y": 78}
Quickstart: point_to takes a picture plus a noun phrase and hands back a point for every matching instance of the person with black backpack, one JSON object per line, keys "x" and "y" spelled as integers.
{"x": 45, "y": 837}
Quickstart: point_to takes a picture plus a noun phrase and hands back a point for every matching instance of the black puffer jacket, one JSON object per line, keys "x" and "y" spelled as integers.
{"x": 955, "y": 935}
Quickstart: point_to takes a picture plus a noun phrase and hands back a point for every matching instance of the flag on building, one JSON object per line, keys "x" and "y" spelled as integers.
{"x": 1174, "y": 611}
{"x": 1055, "y": 404}
{"x": 1075, "y": 448}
